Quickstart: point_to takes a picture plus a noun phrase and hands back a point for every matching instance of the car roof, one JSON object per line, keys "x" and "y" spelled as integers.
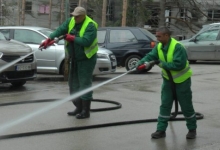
{"x": 23, "y": 27}
{"x": 119, "y": 27}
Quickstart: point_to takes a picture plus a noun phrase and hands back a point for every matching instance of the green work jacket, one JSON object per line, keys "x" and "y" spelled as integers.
{"x": 180, "y": 75}
{"x": 179, "y": 57}
{"x": 76, "y": 49}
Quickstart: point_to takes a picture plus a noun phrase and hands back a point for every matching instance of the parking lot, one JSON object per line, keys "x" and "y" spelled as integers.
{"x": 139, "y": 95}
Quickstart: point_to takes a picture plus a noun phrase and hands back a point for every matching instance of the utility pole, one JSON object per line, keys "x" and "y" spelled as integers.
{"x": 23, "y": 12}
{"x": 104, "y": 13}
{"x": 50, "y": 5}
{"x": 124, "y": 13}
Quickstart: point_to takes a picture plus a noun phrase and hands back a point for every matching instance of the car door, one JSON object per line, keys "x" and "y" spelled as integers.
{"x": 46, "y": 57}
{"x": 203, "y": 47}
{"x": 120, "y": 41}
{"x": 218, "y": 48}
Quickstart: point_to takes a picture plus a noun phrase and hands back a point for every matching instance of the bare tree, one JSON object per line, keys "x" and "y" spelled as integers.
{"x": 184, "y": 16}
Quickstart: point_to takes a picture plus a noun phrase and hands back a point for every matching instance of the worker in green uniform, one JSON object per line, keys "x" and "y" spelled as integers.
{"x": 81, "y": 45}
{"x": 171, "y": 57}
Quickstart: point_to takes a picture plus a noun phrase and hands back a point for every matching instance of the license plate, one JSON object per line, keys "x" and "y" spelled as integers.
{"x": 113, "y": 63}
{"x": 22, "y": 67}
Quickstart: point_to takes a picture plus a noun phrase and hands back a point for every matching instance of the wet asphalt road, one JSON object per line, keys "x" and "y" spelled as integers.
{"x": 140, "y": 99}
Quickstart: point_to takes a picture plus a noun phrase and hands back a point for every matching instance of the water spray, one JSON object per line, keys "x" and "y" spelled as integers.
{"x": 8, "y": 125}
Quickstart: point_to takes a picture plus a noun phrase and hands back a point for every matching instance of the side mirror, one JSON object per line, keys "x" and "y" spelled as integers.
{"x": 193, "y": 40}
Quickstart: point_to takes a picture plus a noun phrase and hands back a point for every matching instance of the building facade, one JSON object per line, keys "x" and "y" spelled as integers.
{"x": 183, "y": 20}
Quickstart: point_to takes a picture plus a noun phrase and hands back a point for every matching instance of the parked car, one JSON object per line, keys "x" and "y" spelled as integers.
{"x": 51, "y": 60}
{"x": 209, "y": 26}
{"x": 20, "y": 72}
{"x": 203, "y": 46}
{"x": 129, "y": 44}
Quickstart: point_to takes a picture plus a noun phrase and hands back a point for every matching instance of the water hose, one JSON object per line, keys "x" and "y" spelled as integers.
{"x": 71, "y": 129}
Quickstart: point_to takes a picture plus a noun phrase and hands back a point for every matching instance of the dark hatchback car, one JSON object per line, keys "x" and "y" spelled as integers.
{"x": 129, "y": 44}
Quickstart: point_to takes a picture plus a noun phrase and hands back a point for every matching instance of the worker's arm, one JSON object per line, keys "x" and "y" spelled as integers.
{"x": 61, "y": 30}
{"x": 88, "y": 37}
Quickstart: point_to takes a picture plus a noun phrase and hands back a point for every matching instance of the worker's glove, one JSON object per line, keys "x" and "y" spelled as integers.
{"x": 145, "y": 65}
{"x": 70, "y": 37}
{"x": 46, "y": 43}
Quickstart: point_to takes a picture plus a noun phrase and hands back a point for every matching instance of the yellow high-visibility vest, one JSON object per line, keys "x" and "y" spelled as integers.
{"x": 178, "y": 76}
{"x": 92, "y": 49}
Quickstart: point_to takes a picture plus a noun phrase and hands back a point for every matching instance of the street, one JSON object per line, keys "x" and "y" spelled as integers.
{"x": 139, "y": 95}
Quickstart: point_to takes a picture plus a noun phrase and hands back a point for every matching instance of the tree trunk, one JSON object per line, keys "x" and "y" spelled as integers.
{"x": 162, "y": 13}
{"x": 124, "y": 13}
{"x": 23, "y": 12}
{"x": 104, "y": 13}
{"x": 50, "y": 4}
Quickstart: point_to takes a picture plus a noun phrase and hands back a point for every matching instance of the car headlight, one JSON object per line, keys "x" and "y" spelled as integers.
{"x": 112, "y": 57}
{"x": 102, "y": 56}
{"x": 1, "y": 54}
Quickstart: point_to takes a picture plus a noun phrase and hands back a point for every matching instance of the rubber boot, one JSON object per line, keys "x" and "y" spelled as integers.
{"x": 191, "y": 134}
{"x": 78, "y": 103}
{"x": 85, "y": 110}
{"x": 158, "y": 134}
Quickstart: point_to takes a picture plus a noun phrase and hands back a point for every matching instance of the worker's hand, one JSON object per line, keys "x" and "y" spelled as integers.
{"x": 70, "y": 37}
{"x": 46, "y": 43}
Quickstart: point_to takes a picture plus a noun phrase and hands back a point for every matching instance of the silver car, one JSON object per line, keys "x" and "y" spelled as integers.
{"x": 203, "y": 46}
{"x": 51, "y": 60}
{"x": 16, "y": 73}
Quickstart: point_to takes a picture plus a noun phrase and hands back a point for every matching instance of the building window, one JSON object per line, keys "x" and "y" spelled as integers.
{"x": 153, "y": 21}
{"x": 28, "y": 7}
{"x": 44, "y": 9}
{"x": 213, "y": 15}
{"x": 183, "y": 14}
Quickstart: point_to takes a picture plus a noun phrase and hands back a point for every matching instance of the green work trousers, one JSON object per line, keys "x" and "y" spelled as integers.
{"x": 184, "y": 97}
{"x": 81, "y": 75}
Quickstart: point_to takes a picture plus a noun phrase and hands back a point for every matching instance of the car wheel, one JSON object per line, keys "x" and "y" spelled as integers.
{"x": 18, "y": 83}
{"x": 131, "y": 61}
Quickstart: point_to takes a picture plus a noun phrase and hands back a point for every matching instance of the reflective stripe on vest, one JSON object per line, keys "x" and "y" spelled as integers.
{"x": 178, "y": 76}
{"x": 93, "y": 48}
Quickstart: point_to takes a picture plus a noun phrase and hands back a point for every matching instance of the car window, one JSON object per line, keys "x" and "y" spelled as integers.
{"x": 2, "y": 37}
{"x": 5, "y": 32}
{"x": 121, "y": 36}
{"x": 101, "y": 36}
{"x": 210, "y": 35}
{"x": 210, "y": 26}
{"x": 28, "y": 36}
{"x": 146, "y": 32}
